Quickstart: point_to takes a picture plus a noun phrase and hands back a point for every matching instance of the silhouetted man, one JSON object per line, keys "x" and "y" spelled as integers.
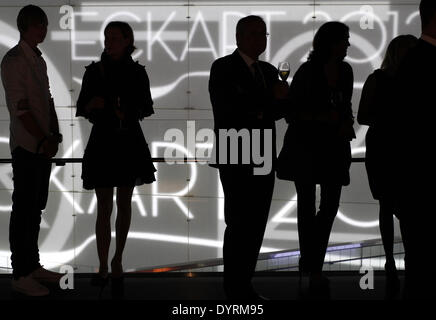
{"x": 242, "y": 94}
{"x": 414, "y": 120}
{"x": 34, "y": 138}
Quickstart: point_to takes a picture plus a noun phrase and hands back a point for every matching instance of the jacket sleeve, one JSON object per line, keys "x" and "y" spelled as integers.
{"x": 277, "y": 107}
{"x": 296, "y": 96}
{"x": 136, "y": 98}
{"x": 145, "y": 100}
{"x": 348, "y": 91}
{"x": 88, "y": 91}
{"x": 13, "y": 77}
{"x": 86, "y": 94}
{"x": 365, "y": 115}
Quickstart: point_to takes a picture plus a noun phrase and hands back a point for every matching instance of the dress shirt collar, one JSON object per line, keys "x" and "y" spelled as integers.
{"x": 28, "y": 50}
{"x": 428, "y": 39}
{"x": 249, "y": 61}
{"x": 37, "y": 51}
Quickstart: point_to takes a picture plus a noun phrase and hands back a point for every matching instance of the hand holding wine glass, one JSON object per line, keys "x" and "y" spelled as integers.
{"x": 284, "y": 70}
{"x": 281, "y": 88}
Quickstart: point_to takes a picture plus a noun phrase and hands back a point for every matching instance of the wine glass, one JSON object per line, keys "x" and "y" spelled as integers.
{"x": 284, "y": 70}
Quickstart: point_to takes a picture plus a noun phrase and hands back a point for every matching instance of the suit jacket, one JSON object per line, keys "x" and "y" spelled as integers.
{"x": 413, "y": 117}
{"x": 413, "y": 144}
{"x": 237, "y": 100}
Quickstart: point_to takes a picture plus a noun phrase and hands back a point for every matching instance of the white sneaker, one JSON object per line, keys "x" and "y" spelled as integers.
{"x": 29, "y": 287}
{"x": 43, "y": 275}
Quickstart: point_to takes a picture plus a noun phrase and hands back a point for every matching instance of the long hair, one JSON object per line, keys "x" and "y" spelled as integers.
{"x": 396, "y": 51}
{"x": 328, "y": 35}
{"x": 126, "y": 31}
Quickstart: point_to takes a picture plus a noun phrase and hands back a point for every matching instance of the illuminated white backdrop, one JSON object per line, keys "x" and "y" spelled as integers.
{"x": 179, "y": 218}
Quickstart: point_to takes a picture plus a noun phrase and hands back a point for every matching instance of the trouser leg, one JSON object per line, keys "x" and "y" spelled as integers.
{"x": 328, "y": 209}
{"x": 306, "y": 211}
{"x": 31, "y": 174}
{"x": 247, "y": 201}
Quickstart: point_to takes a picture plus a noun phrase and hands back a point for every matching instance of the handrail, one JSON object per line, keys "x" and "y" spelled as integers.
{"x": 262, "y": 256}
{"x": 334, "y": 262}
{"x": 219, "y": 261}
{"x": 63, "y": 161}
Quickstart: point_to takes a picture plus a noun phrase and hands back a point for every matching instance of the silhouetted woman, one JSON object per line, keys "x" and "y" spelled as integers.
{"x": 115, "y": 95}
{"x": 316, "y": 148}
{"x": 375, "y": 110}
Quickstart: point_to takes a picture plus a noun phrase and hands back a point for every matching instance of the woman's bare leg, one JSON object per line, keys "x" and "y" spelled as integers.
{"x": 103, "y": 225}
{"x": 122, "y": 226}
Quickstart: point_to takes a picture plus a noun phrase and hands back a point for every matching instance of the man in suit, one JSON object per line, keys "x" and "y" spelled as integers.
{"x": 34, "y": 139}
{"x": 414, "y": 116}
{"x": 243, "y": 92}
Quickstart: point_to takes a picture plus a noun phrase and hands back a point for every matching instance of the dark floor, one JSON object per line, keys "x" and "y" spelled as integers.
{"x": 208, "y": 286}
{"x": 179, "y": 297}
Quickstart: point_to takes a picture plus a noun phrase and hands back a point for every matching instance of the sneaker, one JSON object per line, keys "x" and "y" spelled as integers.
{"x": 43, "y": 275}
{"x": 29, "y": 287}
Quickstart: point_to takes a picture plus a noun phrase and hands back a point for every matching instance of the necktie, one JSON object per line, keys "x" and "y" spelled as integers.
{"x": 258, "y": 77}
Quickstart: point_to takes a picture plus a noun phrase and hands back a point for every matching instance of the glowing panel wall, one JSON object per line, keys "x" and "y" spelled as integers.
{"x": 179, "y": 218}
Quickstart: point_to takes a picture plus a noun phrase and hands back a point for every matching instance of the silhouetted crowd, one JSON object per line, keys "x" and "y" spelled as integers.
{"x": 397, "y": 104}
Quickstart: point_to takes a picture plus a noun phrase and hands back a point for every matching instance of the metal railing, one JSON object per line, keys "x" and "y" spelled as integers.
{"x": 63, "y": 161}
{"x": 287, "y": 260}
{"x": 272, "y": 261}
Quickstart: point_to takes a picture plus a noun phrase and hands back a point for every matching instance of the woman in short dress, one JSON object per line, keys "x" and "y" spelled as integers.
{"x": 114, "y": 97}
{"x": 375, "y": 110}
{"x": 316, "y": 149}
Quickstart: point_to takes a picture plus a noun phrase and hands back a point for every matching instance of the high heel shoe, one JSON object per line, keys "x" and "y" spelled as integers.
{"x": 303, "y": 269}
{"x": 393, "y": 283}
{"x": 99, "y": 279}
{"x": 117, "y": 279}
{"x": 391, "y": 269}
{"x": 319, "y": 286}
{"x": 117, "y": 287}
